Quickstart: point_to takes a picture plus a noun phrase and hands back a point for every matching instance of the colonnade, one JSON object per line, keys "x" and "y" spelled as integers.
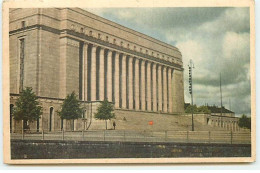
{"x": 226, "y": 124}
{"x": 129, "y": 81}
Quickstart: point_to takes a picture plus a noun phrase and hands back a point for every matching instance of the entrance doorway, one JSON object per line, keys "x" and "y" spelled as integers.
{"x": 51, "y": 115}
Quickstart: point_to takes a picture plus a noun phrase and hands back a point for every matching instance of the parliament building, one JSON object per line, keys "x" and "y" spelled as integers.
{"x": 60, "y": 50}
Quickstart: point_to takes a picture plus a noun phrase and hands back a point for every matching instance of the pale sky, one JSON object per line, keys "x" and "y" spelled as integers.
{"x": 216, "y": 39}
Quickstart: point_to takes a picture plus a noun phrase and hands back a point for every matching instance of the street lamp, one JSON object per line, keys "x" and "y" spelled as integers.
{"x": 191, "y": 66}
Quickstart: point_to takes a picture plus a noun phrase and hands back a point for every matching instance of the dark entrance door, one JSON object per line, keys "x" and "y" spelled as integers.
{"x": 11, "y": 118}
{"x": 51, "y": 114}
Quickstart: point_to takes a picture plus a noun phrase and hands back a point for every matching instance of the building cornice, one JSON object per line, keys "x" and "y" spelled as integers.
{"x": 53, "y": 98}
{"x": 121, "y": 27}
{"x": 83, "y": 37}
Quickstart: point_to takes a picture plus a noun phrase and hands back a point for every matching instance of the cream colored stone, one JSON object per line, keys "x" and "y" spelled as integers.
{"x": 137, "y": 103}
{"x": 130, "y": 82}
{"x": 170, "y": 89}
{"x": 123, "y": 81}
{"x": 85, "y": 71}
{"x": 165, "y": 90}
{"x": 160, "y": 88}
{"x": 149, "y": 102}
{"x": 117, "y": 80}
{"x": 109, "y": 75}
{"x": 93, "y": 73}
{"x": 143, "y": 85}
{"x": 154, "y": 88}
{"x": 178, "y": 98}
{"x": 101, "y": 74}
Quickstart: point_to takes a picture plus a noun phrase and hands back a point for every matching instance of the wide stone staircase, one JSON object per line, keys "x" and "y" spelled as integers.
{"x": 132, "y": 120}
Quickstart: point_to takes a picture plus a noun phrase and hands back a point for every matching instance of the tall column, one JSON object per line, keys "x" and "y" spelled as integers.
{"x": 136, "y": 84}
{"x": 154, "y": 89}
{"x": 109, "y": 76}
{"x": 40, "y": 123}
{"x": 85, "y": 71}
{"x": 93, "y": 73}
{"x": 117, "y": 80}
{"x": 75, "y": 124}
{"x": 160, "y": 88}
{"x": 227, "y": 128}
{"x": 130, "y": 82}
{"x": 226, "y": 125}
{"x": 170, "y": 89}
{"x": 165, "y": 90}
{"x": 124, "y": 81}
{"x": 143, "y": 85}
{"x": 149, "y": 102}
{"x": 101, "y": 74}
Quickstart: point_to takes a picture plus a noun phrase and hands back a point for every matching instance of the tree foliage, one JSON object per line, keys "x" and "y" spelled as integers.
{"x": 200, "y": 109}
{"x": 203, "y": 109}
{"x": 191, "y": 108}
{"x": 27, "y": 107}
{"x": 244, "y": 122}
{"x": 70, "y": 108}
{"x": 105, "y": 111}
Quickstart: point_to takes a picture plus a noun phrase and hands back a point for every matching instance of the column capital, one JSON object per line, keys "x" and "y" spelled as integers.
{"x": 117, "y": 53}
{"x": 94, "y": 46}
{"x": 149, "y": 63}
{"x": 139, "y": 58}
{"x": 124, "y": 55}
{"x": 130, "y": 57}
{"x": 86, "y": 43}
{"x": 109, "y": 52}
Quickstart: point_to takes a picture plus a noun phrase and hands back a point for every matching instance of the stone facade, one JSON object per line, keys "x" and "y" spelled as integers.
{"x": 59, "y": 50}
{"x": 229, "y": 123}
{"x": 225, "y": 122}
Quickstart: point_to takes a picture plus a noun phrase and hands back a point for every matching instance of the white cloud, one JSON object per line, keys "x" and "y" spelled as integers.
{"x": 236, "y": 45}
{"x": 122, "y": 14}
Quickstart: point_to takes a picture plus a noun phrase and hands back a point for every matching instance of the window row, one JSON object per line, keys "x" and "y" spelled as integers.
{"x": 122, "y": 43}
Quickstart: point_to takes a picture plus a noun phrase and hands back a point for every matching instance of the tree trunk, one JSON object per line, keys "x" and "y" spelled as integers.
{"x": 106, "y": 124}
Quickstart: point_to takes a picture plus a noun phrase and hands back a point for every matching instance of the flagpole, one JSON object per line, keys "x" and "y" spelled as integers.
{"x": 220, "y": 95}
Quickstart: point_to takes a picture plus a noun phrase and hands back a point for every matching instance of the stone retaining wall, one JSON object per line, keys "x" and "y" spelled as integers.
{"x": 85, "y": 149}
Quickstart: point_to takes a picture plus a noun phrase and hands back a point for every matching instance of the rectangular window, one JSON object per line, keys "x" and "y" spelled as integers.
{"x": 23, "y": 24}
{"x": 21, "y": 44}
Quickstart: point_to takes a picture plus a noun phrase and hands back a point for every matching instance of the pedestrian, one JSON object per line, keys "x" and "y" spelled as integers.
{"x": 114, "y": 124}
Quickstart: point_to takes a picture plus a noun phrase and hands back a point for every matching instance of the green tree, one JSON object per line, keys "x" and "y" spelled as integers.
{"x": 244, "y": 122}
{"x": 27, "y": 107}
{"x": 190, "y": 108}
{"x": 70, "y": 108}
{"x": 105, "y": 111}
{"x": 204, "y": 109}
